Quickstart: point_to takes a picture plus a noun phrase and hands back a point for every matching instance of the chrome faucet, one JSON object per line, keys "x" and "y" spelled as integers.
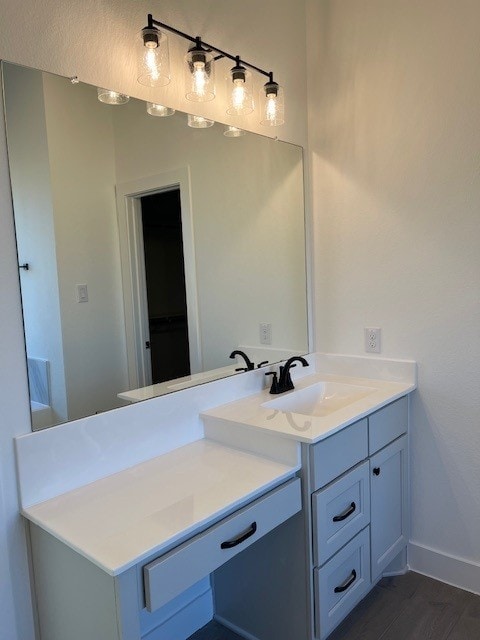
{"x": 284, "y": 382}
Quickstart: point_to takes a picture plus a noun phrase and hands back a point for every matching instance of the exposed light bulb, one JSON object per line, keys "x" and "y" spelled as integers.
{"x": 153, "y": 58}
{"x": 239, "y": 88}
{"x": 273, "y": 105}
{"x": 150, "y": 63}
{"x": 199, "y": 79}
{"x": 238, "y": 94}
{"x": 199, "y": 74}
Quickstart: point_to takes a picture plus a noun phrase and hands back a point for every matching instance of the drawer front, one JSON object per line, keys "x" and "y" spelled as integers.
{"x": 387, "y": 424}
{"x": 340, "y": 511}
{"x": 172, "y": 573}
{"x": 342, "y": 583}
{"x": 338, "y": 453}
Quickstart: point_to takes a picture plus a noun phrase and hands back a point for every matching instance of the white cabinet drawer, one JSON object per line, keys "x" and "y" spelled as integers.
{"x": 387, "y": 424}
{"x": 340, "y": 511}
{"x": 338, "y": 453}
{"x": 342, "y": 583}
{"x": 177, "y": 570}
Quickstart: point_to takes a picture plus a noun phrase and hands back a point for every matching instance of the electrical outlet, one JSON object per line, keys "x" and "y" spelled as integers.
{"x": 265, "y": 333}
{"x": 373, "y": 337}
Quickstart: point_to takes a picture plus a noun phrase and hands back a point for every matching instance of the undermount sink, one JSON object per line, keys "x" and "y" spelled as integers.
{"x": 319, "y": 399}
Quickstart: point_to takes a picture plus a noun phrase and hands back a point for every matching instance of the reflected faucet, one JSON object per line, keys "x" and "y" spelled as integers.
{"x": 250, "y": 366}
{"x": 284, "y": 382}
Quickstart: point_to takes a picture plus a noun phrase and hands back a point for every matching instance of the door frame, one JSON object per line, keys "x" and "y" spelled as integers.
{"x": 132, "y": 260}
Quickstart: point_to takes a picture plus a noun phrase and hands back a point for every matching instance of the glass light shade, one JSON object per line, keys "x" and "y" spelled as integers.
{"x": 153, "y": 60}
{"x": 199, "y": 76}
{"x": 272, "y": 105}
{"x": 233, "y": 132}
{"x": 159, "y": 110}
{"x": 198, "y": 122}
{"x": 239, "y": 92}
{"x": 111, "y": 97}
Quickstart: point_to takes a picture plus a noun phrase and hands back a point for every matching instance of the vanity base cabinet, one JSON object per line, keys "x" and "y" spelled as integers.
{"x": 77, "y": 600}
{"x": 370, "y": 492}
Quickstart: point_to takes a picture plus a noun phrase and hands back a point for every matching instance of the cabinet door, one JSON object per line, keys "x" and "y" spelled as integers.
{"x": 388, "y": 495}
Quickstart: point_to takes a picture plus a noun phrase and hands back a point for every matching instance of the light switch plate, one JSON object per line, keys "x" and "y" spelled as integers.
{"x": 82, "y": 293}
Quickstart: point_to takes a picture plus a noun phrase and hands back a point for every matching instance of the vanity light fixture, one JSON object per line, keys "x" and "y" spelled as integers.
{"x": 111, "y": 97}
{"x": 198, "y": 122}
{"x": 272, "y": 104}
{"x": 233, "y": 132}
{"x": 159, "y": 110}
{"x": 153, "y": 60}
{"x": 239, "y": 90}
{"x": 200, "y": 74}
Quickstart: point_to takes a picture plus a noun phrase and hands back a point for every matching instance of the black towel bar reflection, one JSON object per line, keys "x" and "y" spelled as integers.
{"x": 228, "y": 544}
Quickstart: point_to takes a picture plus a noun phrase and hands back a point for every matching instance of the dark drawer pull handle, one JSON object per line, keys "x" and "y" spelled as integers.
{"x": 228, "y": 544}
{"x": 346, "y": 513}
{"x": 376, "y": 471}
{"x": 343, "y": 587}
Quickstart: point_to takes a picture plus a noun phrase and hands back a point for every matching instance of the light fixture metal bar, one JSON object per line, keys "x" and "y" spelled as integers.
{"x": 156, "y": 23}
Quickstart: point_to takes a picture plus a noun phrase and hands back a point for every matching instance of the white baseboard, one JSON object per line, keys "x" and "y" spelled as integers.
{"x": 456, "y": 571}
{"x": 181, "y": 617}
{"x": 234, "y": 628}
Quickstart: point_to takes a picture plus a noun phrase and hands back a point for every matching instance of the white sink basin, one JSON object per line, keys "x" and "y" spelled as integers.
{"x": 320, "y": 399}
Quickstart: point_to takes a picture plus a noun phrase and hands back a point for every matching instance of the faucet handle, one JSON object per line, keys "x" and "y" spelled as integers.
{"x": 274, "y": 388}
{"x": 261, "y": 364}
{"x": 286, "y": 383}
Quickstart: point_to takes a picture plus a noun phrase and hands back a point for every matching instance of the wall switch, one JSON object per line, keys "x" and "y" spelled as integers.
{"x": 373, "y": 338}
{"x": 265, "y": 333}
{"x": 82, "y": 293}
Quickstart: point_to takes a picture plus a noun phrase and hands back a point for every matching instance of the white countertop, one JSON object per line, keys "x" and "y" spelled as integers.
{"x": 124, "y": 518}
{"x": 250, "y": 412}
{"x": 162, "y": 388}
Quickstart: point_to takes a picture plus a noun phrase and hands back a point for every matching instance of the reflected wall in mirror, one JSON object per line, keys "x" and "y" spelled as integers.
{"x": 153, "y": 249}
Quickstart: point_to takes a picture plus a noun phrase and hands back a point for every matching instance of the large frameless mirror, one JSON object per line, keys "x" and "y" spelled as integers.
{"x": 148, "y": 250}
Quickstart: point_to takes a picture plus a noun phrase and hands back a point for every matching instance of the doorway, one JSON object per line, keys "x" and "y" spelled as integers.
{"x": 165, "y": 285}
{"x": 132, "y": 198}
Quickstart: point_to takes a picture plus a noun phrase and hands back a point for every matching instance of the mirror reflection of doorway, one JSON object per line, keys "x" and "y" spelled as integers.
{"x": 165, "y": 285}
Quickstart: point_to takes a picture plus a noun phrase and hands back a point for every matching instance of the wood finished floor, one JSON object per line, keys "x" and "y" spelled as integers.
{"x": 409, "y": 607}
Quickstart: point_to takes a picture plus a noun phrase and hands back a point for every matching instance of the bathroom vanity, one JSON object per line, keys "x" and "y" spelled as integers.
{"x": 292, "y": 506}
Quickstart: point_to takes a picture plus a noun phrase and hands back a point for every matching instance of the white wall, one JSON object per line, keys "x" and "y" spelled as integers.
{"x": 34, "y": 223}
{"x": 69, "y": 39}
{"x": 82, "y": 172}
{"x": 15, "y": 600}
{"x": 394, "y": 141}
{"x": 248, "y": 225}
